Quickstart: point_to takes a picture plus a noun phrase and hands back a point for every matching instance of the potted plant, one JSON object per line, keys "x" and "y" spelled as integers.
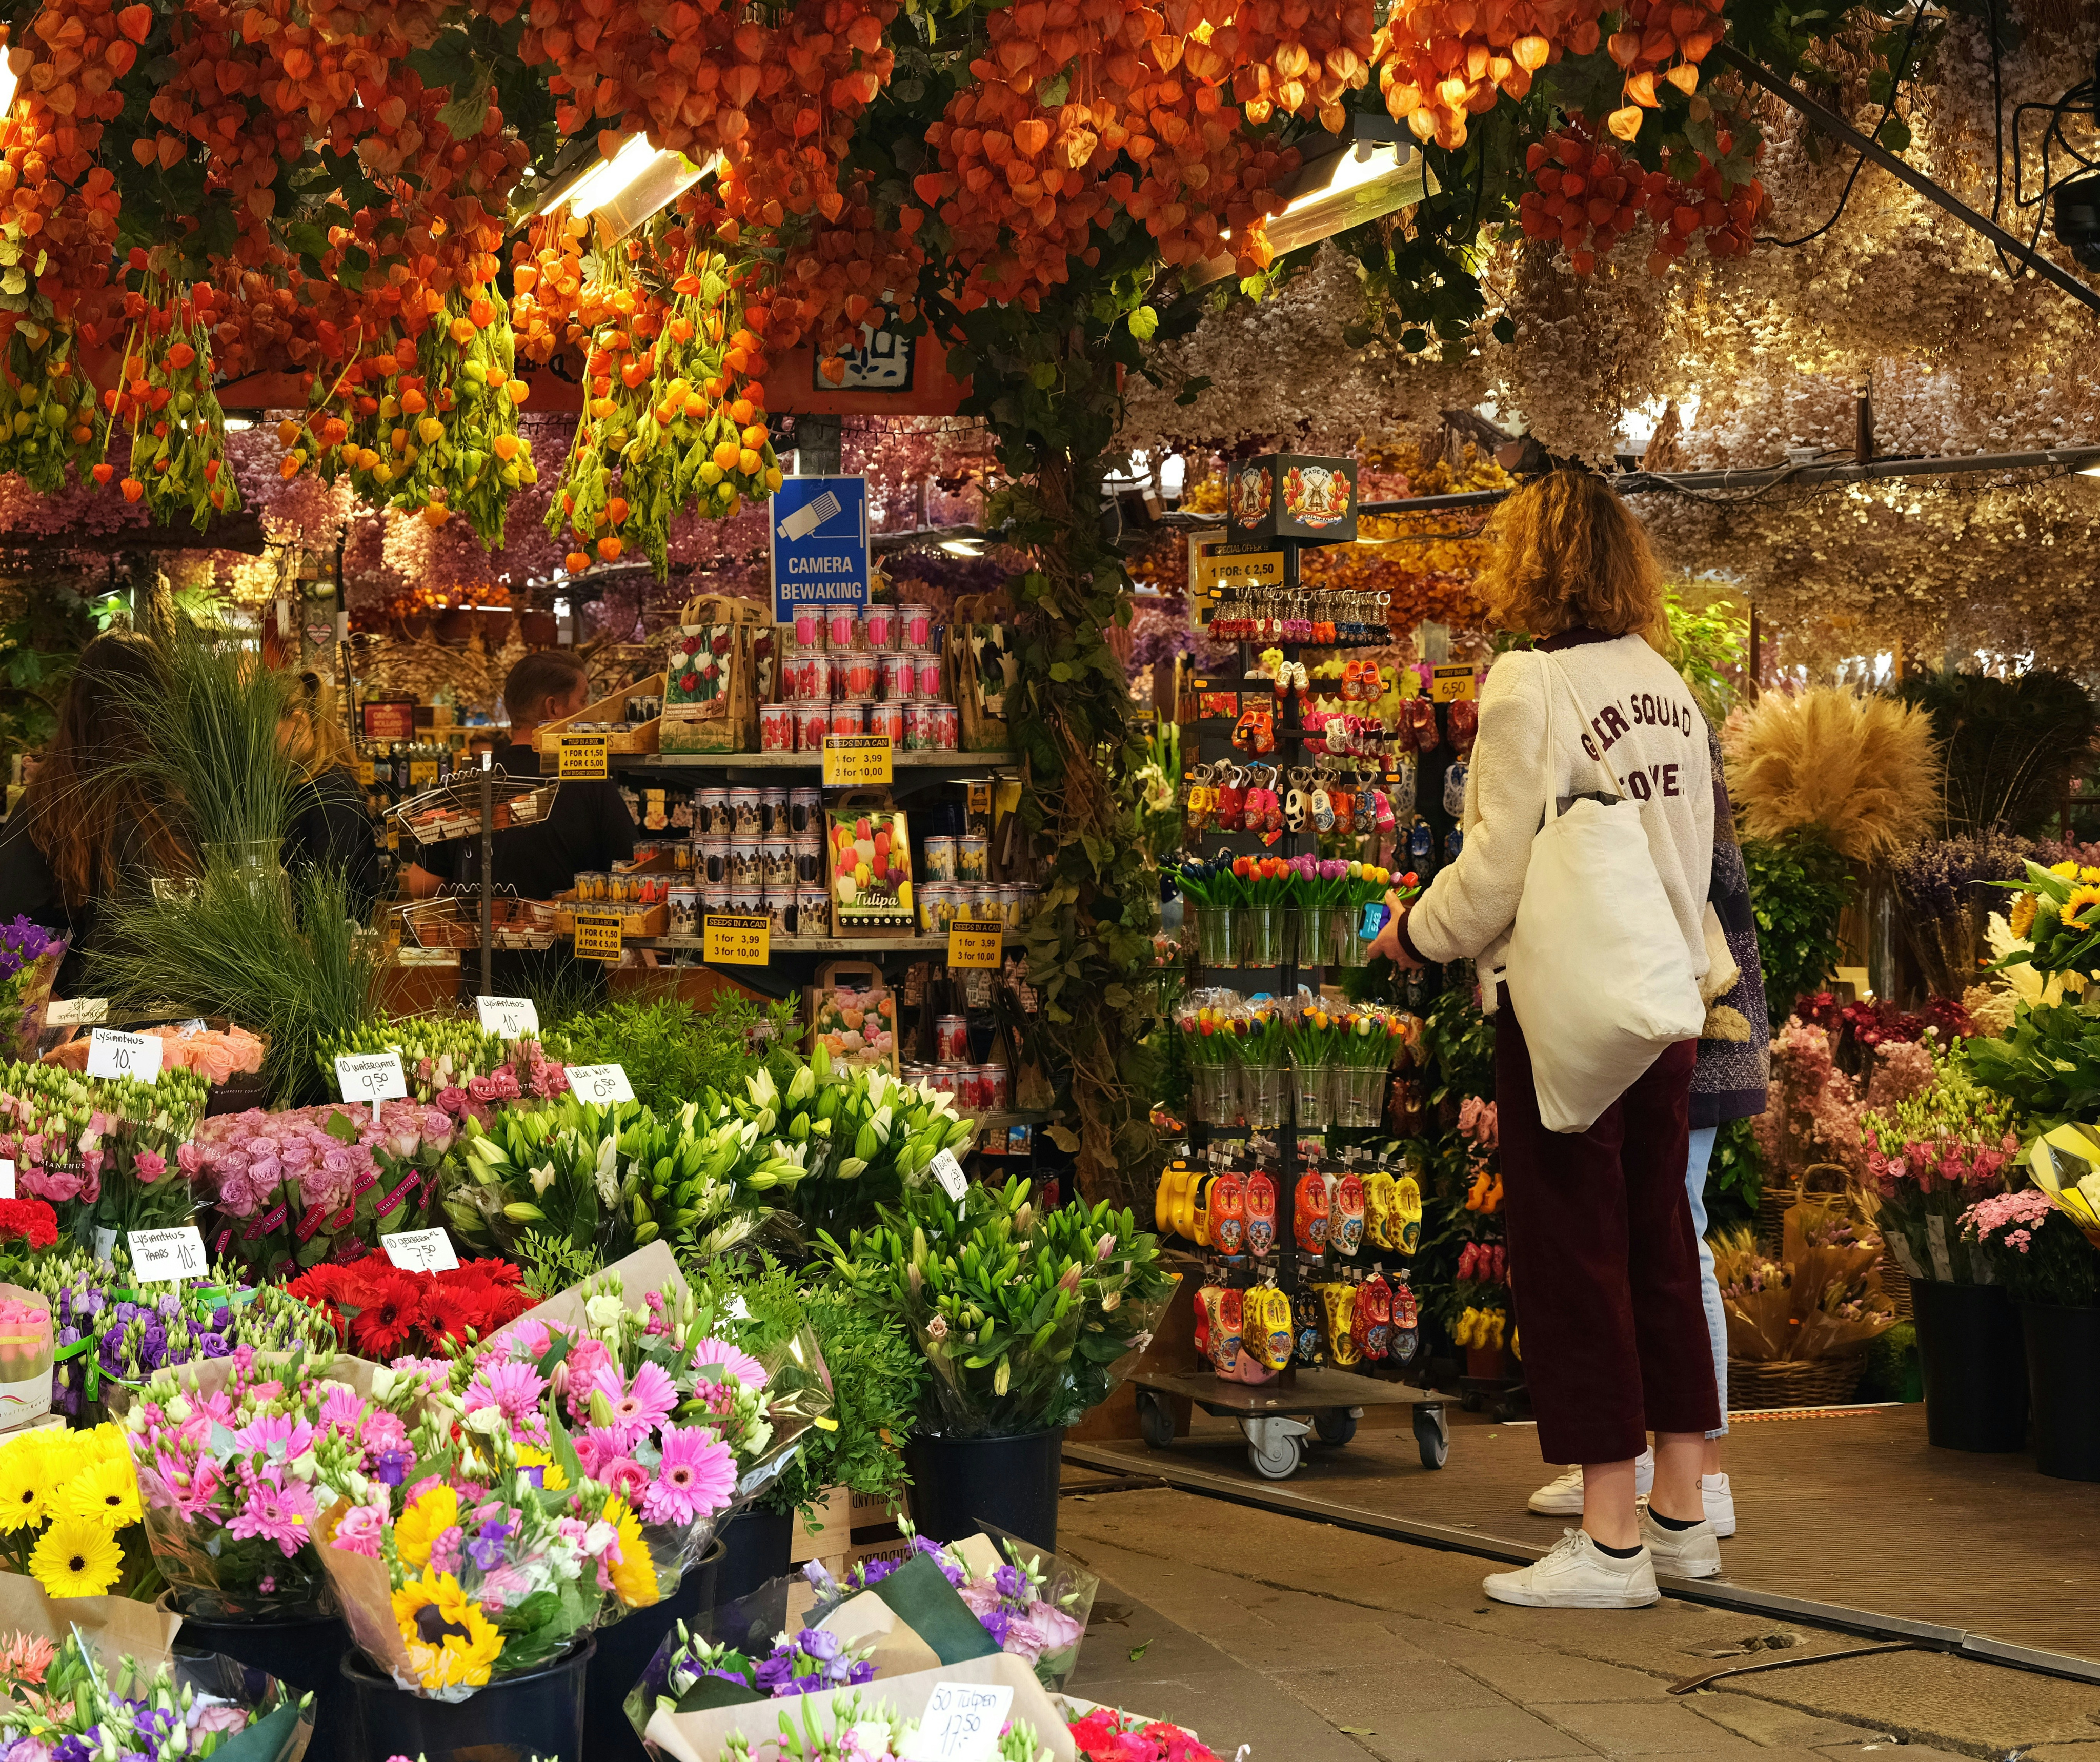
{"x": 1929, "y": 1159}
{"x": 2052, "y": 1274}
{"x": 1027, "y": 1318}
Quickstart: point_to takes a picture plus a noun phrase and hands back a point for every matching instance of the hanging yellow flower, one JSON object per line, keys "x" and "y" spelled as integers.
{"x": 77, "y": 1556}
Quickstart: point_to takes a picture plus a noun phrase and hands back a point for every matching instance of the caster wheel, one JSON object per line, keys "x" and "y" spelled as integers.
{"x": 1278, "y": 1460}
{"x": 1155, "y": 1420}
{"x": 1432, "y": 1435}
{"x": 1471, "y": 1403}
{"x": 1338, "y": 1427}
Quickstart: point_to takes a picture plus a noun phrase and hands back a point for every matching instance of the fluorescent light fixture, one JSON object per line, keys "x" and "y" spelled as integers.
{"x": 236, "y": 424}
{"x": 2089, "y": 471}
{"x": 962, "y": 547}
{"x": 625, "y": 190}
{"x": 1362, "y": 175}
{"x": 7, "y": 86}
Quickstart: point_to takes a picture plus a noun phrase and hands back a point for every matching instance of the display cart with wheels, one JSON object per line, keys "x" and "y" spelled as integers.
{"x": 1278, "y": 1417}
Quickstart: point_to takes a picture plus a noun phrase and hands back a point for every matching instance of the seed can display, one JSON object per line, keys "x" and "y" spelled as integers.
{"x": 806, "y": 812}
{"x": 915, "y": 626}
{"x": 841, "y": 626}
{"x": 948, "y": 727}
{"x": 881, "y": 627}
{"x": 864, "y": 673}
{"x": 926, "y": 682}
{"x": 899, "y": 674}
{"x": 776, "y": 863}
{"x": 918, "y": 727}
{"x": 972, "y": 858}
{"x": 850, "y": 718}
{"x": 940, "y": 861}
{"x": 809, "y": 628}
{"x": 813, "y": 721}
{"x": 813, "y": 911}
{"x": 776, "y": 728}
{"x": 887, "y": 718}
{"x": 951, "y": 1041}
{"x": 685, "y": 911}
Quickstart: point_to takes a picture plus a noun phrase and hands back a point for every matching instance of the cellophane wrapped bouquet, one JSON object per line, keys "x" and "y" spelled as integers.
{"x": 29, "y": 958}
{"x": 64, "y": 1703}
{"x": 1823, "y": 1300}
{"x": 231, "y": 1454}
{"x": 100, "y": 1149}
{"x": 296, "y": 1189}
{"x": 1929, "y": 1158}
{"x": 69, "y": 1514}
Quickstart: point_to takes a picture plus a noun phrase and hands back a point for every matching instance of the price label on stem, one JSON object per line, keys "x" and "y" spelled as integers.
{"x": 852, "y": 761}
{"x": 601, "y": 1085}
{"x": 949, "y": 1172}
{"x": 76, "y": 1012}
{"x": 961, "y": 1722}
{"x": 171, "y": 1254}
{"x": 372, "y": 1076}
{"x": 421, "y": 1250}
{"x": 975, "y": 943}
{"x": 508, "y": 1018}
{"x": 113, "y": 1053}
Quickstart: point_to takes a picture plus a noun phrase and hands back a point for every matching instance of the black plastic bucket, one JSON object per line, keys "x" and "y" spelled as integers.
{"x": 539, "y": 1714}
{"x": 959, "y": 1485}
{"x": 623, "y": 1652}
{"x": 1974, "y": 1367}
{"x": 2064, "y": 1350}
{"x": 757, "y": 1545}
{"x": 302, "y": 1655}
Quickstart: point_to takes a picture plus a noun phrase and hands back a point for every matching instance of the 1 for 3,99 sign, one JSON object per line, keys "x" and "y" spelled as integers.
{"x": 735, "y": 940}
{"x": 975, "y": 943}
{"x": 853, "y": 761}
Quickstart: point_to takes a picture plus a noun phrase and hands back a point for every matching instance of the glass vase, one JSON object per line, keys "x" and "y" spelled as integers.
{"x": 1211, "y": 1095}
{"x": 1348, "y": 947}
{"x": 1217, "y": 935}
{"x": 1262, "y": 934}
{"x": 1305, "y": 936}
{"x": 1311, "y": 1090}
{"x": 1261, "y": 1096}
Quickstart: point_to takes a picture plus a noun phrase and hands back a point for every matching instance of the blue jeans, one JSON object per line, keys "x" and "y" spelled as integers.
{"x": 1709, "y": 1287}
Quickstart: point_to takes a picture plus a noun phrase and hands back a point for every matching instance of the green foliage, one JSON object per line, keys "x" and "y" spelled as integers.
{"x": 671, "y": 1051}
{"x": 1890, "y": 1369}
{"x": 877, "y": 1377}
{"x": 2010, "y": 746}
{"x": 1708, "y": 644}
{"x": 1799, "y": 887}
{"x": 1734, "y": 1178}
{"x": 2047, "y": 1063}
{"x": 282, "y": 958}
{"x": 1022, "y": 1314}
{"x": 1460, "y": 1042}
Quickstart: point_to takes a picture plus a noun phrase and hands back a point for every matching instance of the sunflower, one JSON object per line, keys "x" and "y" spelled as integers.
{"x": 433, "y": 1513}
{"x": 108, "y": 1490}
{"x": 2075, "y": 909}
{"x": 2021, "y": 922}
{"x": 451, "y": 1643}
{"x": 77, "y": 1556}
{"x": 634, "y": 1577}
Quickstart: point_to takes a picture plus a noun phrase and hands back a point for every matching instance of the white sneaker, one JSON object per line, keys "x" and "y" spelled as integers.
{"x": 1563, "y": 1498}
{"x": 1575, "y": 1574}
{"x": 1692, "y": 1553}
{"x": 1720, "y": 1501}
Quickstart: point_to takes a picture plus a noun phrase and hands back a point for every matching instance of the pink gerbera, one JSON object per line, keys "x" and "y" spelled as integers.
{"x": 274, "y": 1509}
{"x": 739, "y": 1363}
{"x": 695, "y": 1479}
{"x": 644, "y": 1404}
{"x": 277, "y": 1435}
{"x": 514, "y": 1389}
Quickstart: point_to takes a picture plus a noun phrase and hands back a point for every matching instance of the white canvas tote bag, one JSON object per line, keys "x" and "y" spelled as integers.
{"x": 1596, "y": 967}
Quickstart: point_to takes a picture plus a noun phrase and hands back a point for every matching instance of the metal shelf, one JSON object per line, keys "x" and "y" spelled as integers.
{"x": 817, "y": 944}
{"x": 797, "y": 761}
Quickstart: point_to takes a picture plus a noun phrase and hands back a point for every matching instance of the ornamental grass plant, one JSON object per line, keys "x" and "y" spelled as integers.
{"x": 1860, "y": 769}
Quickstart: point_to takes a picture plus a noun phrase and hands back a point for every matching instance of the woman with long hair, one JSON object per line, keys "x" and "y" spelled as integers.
{"x": 1603, "y": 1262}
{"x": 330, "y": 827}
{"x": 85, "y": 832}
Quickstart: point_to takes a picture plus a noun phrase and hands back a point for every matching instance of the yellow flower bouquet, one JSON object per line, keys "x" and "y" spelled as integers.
{"x": 69, "y": 1514}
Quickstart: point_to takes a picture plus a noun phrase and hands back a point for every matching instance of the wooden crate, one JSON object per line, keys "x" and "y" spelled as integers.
{"x": 645, "y": 738}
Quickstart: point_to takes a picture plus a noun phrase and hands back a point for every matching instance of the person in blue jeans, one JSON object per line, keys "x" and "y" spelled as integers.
{"x": 1727, "y": 1083}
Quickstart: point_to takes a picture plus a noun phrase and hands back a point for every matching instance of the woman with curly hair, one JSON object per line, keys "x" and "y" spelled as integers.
{"x": 1603, "y": 1262}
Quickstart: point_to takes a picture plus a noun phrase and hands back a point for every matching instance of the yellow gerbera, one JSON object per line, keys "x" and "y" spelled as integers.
{"x": 77, "y": 1556}
{"x": 2081, "y": 901}
{"x": 552, "y": 1478}
{"x": 108, "y": 1492}
{"x": 433, "y": 1512}
{"x": 634, "y": 1575}
{"x": 23, "y": 1479}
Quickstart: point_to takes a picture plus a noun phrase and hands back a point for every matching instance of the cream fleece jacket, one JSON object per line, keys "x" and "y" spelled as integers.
{"x": 1644, "y": 735}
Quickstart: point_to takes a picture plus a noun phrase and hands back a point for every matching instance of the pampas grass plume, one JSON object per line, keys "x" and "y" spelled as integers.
{"x": 1860, "y": 769}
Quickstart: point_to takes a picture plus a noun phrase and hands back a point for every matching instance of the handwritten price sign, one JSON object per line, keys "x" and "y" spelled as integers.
{"x": 601, "y": 1085}
{"x": 949, "y": 1172}
{"x": 372, "y": 1076}
{"x": 421, "y": 1250}
{"x": 583, "y": 756}
{"x": 508, "y": 1018}
{"x": 975, "y": 943}
{"x": 961, "y": 1722}
{"x": 734, "y": 939}
{"x": 597, "y": 936}
{"x": 111, "y": 1053}
{"x": 852, "y": 761}
{"x": 169, "y": 1254}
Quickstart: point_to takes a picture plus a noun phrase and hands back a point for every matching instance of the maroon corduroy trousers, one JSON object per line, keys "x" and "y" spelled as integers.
{"x": 1604, "y": 1266}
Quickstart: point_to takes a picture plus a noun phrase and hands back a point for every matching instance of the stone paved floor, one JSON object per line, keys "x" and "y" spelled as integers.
{"x": 1314, "y": 1644}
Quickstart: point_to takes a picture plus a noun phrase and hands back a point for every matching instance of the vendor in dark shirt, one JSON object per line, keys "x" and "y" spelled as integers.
{"x": 330, "y": 828}
{"x": 83, "y": 832}
{"x": 589, "y": 827}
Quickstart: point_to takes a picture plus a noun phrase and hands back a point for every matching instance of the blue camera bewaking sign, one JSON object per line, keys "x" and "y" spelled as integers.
{"x": 818, "y": 527}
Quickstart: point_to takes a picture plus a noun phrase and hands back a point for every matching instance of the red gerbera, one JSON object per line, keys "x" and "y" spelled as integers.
{"x": 380, "y": 1325}
{"x": 446, "y": 1314}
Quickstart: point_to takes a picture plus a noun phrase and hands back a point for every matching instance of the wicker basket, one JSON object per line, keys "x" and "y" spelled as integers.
{"x": 1896, "y": 1282}
{"x": 1754, "y": 1384}
{"x": 1824, "y": 1181}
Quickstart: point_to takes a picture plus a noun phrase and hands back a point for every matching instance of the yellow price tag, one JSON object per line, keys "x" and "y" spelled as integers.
{"x": 735, "y": 940}
{"x": 583, "y": 755}
{"x": 364, "y": 773}
{"x": 1452, "y": 685}
{"x": 852, "y": 761}
{"x": 422, "y": 770}
{"x": 597, "y": 936}
{"x": 975, "y": 944}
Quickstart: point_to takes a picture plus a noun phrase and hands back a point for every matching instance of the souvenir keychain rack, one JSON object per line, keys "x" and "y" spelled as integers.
{"x": 1277, "y": 1417}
